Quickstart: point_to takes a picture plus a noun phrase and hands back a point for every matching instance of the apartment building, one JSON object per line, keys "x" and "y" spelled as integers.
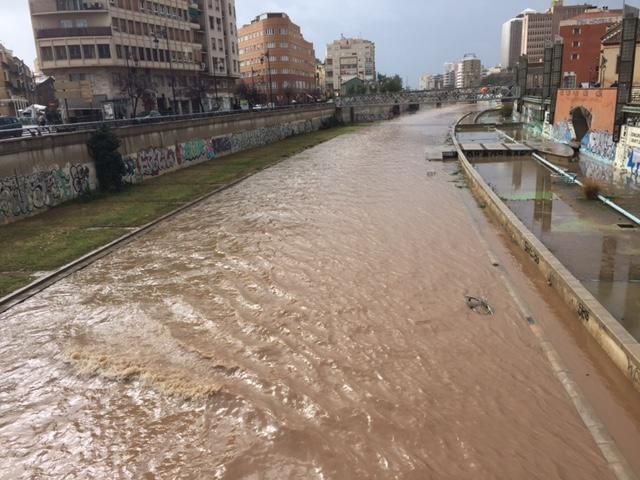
{"x": 431, "y": 82}
{"x": 350, "y": 58}
{"x": 449, "y": 76}
{"x": 112, "y": 57}
{"x": 469, "y": 72}
{"x": 16, "y": 84}
{"x": 539, "y": 29}
{"x": 276, "y": 60}
{"x": 582, "y": 36}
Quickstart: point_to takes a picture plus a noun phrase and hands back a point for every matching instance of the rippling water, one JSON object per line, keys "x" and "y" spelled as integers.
{"x": 307, "y": 323}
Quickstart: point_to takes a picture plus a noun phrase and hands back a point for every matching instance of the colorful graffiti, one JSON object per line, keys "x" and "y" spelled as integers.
{"x": 22, "y": 195}
{"x": 194, "y": 151}
{"x": 562, "y": 132}
{"x": 600, "y": 145}
{"x": 633, "y": 162}
{"x": 151, "y": 162}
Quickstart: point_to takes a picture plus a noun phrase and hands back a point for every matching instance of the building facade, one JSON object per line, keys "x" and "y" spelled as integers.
{"x": 582, "y": 36}
{"x": 16, "y": 84}
{"x": 469, "y": 72}
{"x": 114, "y": 57}
{"x": 321, "y": 78}
{"x": 432, "y": 82}
{"x": 449, "y": 76}
{"x": 540, "y": 28}
{"x": 511, "y": 42}
{"x": 350, "y": 58}
{"x": 276, "y": 59}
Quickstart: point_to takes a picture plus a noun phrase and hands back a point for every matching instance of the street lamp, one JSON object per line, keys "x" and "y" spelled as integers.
{"x": 156, "y": 41}
{"x": 270, "y": 81}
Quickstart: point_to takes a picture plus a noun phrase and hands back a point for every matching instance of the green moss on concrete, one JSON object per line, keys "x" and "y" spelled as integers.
{"x": 65, "y": 233}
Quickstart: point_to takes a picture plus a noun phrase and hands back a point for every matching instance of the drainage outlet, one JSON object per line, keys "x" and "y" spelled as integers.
{"x": 627, "y": 226}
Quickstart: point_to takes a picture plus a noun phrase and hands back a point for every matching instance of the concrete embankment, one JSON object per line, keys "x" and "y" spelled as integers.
{"x": 619, "y": 345}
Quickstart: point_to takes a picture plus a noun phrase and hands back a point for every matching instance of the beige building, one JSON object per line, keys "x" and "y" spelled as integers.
{"x": 540, "y": 28}
{"x": 16, "y": 84}
{"x": 349, "y": 58}
{"x": 321, "y": 78}
{"x": 175, "y": 56}
{"x": 469, "y": 72}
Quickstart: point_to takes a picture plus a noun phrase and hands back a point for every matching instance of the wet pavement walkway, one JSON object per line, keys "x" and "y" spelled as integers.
{"x": 310, "y": 322}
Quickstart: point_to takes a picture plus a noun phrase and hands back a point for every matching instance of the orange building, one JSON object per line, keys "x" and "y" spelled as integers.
{"x": 273, "y": 50}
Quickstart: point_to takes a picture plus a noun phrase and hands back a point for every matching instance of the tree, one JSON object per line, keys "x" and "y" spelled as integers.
{"x": 137, "y": 85}
{"x": 103, "y": 147}
{"x": 389, "y": 84}
{"x": 249, "y": 93}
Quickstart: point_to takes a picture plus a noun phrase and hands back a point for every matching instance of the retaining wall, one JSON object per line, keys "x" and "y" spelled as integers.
{"x": 38, "y": 173}
{"x": 619, "y": 345}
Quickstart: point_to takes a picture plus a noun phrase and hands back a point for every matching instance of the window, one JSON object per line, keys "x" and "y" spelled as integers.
{"x": 89, "y": 51}
{"x": 77, "y": 77}
{"x": 271, "y": 45}
{"x": 284, "y": 45}
{"x": 66, "y": 23}
{"x": 577, "y": 31}
{"x": 46, "y": 53}
{"x": 269, "y": 31}
{"x": 575, "y": 56}
{"x": 577, "y": 44}
{"x": 104, "y": 51}
{"x": 74, "y": 52}
{"x": 118, "y": 51}
{"x": 140, "y": 53}
{"x": 61, "y": 52}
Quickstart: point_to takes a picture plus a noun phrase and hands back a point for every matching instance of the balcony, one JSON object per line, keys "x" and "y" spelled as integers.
{"x": 49, "y": 7}
{"x": 74, "y": 32}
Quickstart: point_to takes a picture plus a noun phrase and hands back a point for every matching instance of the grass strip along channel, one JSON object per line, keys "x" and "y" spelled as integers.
{"x": 36, "y": 245}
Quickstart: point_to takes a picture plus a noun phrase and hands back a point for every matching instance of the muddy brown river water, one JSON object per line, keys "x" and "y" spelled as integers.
{"x": 309, "y": 323}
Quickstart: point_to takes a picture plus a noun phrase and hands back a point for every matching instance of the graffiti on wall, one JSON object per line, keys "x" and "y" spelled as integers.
{"x": 563, "y": 132}
{"x": 600, "y": 144}
{"x": 22, "y": 195}
{"x": 151, "y": 162}
{"x": 633, "y": 162}
{"x": 194, "y": 151}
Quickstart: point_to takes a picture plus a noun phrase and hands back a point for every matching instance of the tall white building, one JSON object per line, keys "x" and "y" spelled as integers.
{"x": 449, "y": 77}
{"x": 469, "y": 72}
{"x": 349, "y": 58}
{"x": 511, "y": 42}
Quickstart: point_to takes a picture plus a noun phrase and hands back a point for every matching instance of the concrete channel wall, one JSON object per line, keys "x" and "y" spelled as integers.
{"x": 38, "y": 173}
{"x": 620, "y": 346}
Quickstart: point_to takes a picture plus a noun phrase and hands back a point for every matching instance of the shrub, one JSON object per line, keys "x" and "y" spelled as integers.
{"x": 331, "y": 122}
{"x": 103, "y": 148}
{"x": 591, "y": 189}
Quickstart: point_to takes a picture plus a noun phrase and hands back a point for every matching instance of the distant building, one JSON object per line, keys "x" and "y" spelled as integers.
{"x": 540, "y": 28}
{"x": 273, "y": 41}
{"x": 321, "y": 78}
{"x": 16, "y": 84}
{"x": 349, "y": 58}
{"x": 469, "y": 72}
{"x": 101, "y": 52}
{"x": 582, "y": 45}
{"x": 449, "y": 76}
{"x": 432, "y": 82}
{"x": 511, "y": 41}
{"x": 610, "y": 57}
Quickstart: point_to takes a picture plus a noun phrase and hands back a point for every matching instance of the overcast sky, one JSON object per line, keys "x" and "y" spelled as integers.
{"x": 412, "y": 36}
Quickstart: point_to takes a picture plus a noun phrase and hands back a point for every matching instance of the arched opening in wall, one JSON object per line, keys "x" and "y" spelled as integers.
{"x": 581, "y": 120}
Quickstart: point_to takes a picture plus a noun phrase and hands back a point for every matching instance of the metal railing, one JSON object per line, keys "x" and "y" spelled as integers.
{"x": 74, "y": 32}
{"x": 34, "y": 131}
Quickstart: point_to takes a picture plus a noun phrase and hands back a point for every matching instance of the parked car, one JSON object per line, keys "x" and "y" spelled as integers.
{"x": 10, "y": 127}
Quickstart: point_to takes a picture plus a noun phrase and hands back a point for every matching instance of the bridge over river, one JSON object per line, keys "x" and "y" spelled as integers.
{"x": 311, "y": 322}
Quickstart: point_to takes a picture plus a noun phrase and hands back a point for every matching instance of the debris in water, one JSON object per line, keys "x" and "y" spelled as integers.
{"x": 478, "y": 305}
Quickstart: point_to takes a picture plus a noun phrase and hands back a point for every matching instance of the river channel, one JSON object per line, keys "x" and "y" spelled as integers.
{"x": 307, "y": 323}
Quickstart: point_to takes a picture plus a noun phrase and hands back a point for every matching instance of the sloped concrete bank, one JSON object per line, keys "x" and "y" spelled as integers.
{"x": 619, "y": 345}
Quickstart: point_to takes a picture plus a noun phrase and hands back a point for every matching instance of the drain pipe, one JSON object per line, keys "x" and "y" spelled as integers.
{"x": 573, "y": 179}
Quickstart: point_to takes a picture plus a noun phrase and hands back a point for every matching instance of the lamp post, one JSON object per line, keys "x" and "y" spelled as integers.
{"x": 156, "y": 40}
{"x": 268, "y": 55}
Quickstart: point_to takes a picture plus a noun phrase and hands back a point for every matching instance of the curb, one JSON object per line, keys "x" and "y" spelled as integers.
{"x": 622, "y": 348}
